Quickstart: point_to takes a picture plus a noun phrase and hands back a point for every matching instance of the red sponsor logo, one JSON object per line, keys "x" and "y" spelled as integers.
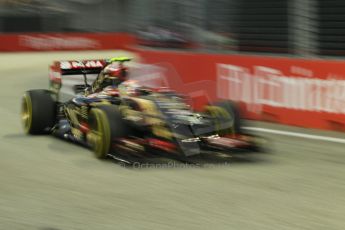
{"x": 81, "y": 64}
{"x": 48, "y": 42}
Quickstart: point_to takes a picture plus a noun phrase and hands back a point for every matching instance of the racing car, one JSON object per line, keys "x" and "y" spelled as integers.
{"x": 98, "y": 104}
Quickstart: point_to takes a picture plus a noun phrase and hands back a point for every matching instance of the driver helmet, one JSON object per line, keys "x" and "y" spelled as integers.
{"x": 114, "y": 74}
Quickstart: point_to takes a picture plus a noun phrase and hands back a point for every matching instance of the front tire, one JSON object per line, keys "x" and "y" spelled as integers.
{"x": 106, "y": 124}
{"x": 38, "y": 112}
{"x": 226, "y": 116}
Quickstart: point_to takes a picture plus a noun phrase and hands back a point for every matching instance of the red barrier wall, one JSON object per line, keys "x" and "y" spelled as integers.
{"x": 301, "y": 92}
{"x": 64, "y": 41}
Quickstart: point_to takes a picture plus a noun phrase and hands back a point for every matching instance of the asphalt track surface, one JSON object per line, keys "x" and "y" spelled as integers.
{"x": 48, "y": 184}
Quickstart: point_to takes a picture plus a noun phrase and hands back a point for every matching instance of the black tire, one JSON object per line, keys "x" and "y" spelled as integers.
{"x": 234, "y": 111}
{"x": 38, "y": 112}
{"x": 106, "y": 124}
{"x": 227, "y": 117}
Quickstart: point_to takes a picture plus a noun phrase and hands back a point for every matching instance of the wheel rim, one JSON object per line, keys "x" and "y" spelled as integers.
{"x": 26, "y": 113}
{"x": 97, "y": 137}
{"x": 221, "y": 117}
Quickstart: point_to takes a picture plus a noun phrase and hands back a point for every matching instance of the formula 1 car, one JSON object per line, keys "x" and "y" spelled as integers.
{"x": 136, "y": 118}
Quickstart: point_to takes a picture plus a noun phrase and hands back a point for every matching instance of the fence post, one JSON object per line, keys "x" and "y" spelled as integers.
{"x": 303, "y": 27}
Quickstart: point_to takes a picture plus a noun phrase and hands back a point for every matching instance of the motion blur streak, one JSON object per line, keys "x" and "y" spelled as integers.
{"x": 293, "y": 134}
{"x": 51, "y": 184}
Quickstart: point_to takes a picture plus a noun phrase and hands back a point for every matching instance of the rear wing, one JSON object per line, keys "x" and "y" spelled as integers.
{"x": 65, "y": 76}
{"x": 77, "y": 67}
{"x": 60, "y": 68}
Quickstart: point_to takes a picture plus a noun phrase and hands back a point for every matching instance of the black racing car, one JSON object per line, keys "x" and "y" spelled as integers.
{"x": 131, "y": 118}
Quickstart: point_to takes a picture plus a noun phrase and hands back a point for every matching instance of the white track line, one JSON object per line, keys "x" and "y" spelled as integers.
{"x": 293, "y": 134}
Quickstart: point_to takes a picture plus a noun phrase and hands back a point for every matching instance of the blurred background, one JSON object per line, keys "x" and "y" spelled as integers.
{"x": 295, "y": 27}
{"x": 296, "y": 77}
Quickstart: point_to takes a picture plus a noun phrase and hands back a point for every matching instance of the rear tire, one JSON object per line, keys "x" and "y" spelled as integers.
{"x": 38, "y": 111}
{"x": 106, "y": 124}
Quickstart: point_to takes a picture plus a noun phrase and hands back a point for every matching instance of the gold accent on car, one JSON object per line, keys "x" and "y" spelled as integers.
{"x": 220, "y": 113}
{"x": 26, "y": 113}
{"x": 99, "y": 136}
{"x": 153, "y": 117}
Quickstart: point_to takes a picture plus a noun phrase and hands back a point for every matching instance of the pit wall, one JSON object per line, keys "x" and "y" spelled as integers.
{"x": 302, "y": 92}
{"x": 15, "y": 42}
